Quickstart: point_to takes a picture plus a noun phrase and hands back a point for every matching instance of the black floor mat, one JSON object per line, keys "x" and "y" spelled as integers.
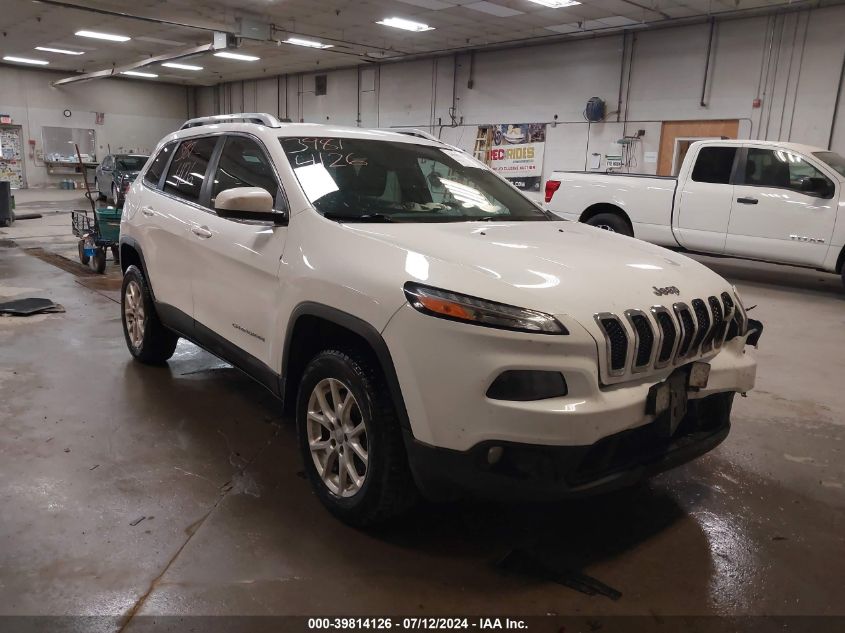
{"x": 29, "y": 306}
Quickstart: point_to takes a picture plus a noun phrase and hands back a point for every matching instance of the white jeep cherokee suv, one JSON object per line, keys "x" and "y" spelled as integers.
{"x": 432, "y": 329}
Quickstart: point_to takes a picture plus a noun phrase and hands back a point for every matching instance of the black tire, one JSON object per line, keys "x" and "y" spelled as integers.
{"x": 98, "y": 260}
{"x": 82, "y": 256}
{"x": 611, "y": 222}
{"x": 388, "y": 489}
{"x": 115, "y": 253}
{"x": 156, "y": 343}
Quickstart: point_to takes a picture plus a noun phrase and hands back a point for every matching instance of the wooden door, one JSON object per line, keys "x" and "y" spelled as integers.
{"x": 671, "y": 130}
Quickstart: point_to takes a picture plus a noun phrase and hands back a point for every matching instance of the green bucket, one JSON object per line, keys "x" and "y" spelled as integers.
{"x": 109, "y": 220}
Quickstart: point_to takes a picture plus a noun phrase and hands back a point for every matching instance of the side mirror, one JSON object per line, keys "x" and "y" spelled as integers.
{"x": 248, "y": 203}
{"x": 816, "y": 187}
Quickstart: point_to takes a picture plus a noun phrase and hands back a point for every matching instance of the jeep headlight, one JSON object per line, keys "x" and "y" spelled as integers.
{"x": 466, "y": 309}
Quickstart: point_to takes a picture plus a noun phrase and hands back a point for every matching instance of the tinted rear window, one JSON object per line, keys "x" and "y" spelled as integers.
{"x": 714, "y": 164}
{"x": 131, "y": 163}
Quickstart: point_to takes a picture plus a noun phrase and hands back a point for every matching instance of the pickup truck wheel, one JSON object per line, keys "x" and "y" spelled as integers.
{"x": 148, "y": 340}
{"x": 350, "y": 440}
{"x": 611, "y": 222}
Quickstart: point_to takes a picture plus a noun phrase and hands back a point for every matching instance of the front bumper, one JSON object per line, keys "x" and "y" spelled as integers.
{"x": 445, "y": 369}
{"x": 530, "y": 472}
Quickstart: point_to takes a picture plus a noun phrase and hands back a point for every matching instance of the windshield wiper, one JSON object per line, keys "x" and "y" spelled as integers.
{"x": 366, "y": 217}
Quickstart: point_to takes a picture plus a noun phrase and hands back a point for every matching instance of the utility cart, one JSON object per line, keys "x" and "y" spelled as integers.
{"x": 97, "y": 232}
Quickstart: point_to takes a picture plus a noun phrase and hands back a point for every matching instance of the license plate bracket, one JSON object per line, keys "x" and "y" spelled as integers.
{"x": 669, "y": 400}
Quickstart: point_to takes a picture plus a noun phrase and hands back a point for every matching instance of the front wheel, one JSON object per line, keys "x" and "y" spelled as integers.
{"x": 148, "y": 340}
{"x": 611, "y": 222}
{"x": 350, "y": 439}
{"x": 83, "y": 256}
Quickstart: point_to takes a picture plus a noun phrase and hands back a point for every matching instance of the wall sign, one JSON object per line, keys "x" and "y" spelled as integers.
{"x": 516, "y": 153}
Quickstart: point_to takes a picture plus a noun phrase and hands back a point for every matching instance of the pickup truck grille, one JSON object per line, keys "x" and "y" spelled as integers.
{"x": 667, "y": 335}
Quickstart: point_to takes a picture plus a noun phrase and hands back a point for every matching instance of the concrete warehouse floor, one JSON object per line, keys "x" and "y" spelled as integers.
{"x": 91, "y": 442}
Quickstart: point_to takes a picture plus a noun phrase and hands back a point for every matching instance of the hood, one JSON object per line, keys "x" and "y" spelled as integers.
{"x": 557, "y": 267}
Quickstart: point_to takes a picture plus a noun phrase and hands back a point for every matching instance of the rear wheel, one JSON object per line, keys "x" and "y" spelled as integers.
{"x": 611, "y": 222}
{"x": 98, "y": 260}
{"x": 148, "y": 340}
{"x": 350, "y": 439}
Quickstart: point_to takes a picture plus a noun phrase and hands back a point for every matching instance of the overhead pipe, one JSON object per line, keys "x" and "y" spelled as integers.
{"x": 116, "y": 70}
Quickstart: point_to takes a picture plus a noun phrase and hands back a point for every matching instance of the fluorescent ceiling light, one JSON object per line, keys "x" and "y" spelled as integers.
{"x": 25, "y": 60}
{"x": 58, "y": 50}
{"x": 136, "y": 73}
{"x": 158, "y": 40}
{"x": 556, "y": 4}
{"x": 243, "y": 58}
{"x": 434, "y": 5}
{"x": 493, "y": 9}
{"x": 309, "y": 43}
{"x": 407, "y": 25}
{"x": 103, "y": 36}
{"x": 181, "y": 66}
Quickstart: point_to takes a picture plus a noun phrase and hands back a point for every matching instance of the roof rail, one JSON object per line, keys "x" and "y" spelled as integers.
{"x": 262, "y": 118}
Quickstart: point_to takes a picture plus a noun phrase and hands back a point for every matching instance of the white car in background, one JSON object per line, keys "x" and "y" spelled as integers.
{"x": 431, "y": 328}
{"x": 771, "y": 201}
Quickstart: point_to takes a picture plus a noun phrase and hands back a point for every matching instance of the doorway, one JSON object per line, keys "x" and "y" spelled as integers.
{"x": 677, "y": 136}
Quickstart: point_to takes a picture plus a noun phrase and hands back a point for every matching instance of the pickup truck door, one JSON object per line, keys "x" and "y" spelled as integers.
{"x": 237, "y": 291}
{"x": 779, "y": 215}
{"x": 703, "y": 207}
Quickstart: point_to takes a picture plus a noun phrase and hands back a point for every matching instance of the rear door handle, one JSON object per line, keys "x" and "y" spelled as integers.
{"x": 747, "y": 200}
{"x": 201, "y": 231}
{"x": 147, "y": 211}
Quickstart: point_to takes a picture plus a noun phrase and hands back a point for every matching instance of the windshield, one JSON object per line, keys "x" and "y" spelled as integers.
{"x": 832, "y": 159}
{"x": 131, "y": 163}
{"x": 387, "y": 181}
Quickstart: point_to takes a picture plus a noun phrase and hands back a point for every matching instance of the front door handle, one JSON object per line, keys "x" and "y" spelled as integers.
{"x": 747, "y": 200}
{"x": 147, "y": 211}
{"x": 201, "y": 231}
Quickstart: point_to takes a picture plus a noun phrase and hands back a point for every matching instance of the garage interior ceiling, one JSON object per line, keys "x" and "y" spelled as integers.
{"x": 349, "y": 25}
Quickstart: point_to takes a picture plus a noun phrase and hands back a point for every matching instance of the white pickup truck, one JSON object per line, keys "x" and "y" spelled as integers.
{"x": 770, "y": 201}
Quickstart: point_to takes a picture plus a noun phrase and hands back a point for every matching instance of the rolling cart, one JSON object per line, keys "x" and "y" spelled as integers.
{"x": 96, "y": 232}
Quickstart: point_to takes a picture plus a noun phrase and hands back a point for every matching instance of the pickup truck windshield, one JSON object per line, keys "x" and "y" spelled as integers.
{"x": 833, "y": 160}
{"x": 362, "y": 180}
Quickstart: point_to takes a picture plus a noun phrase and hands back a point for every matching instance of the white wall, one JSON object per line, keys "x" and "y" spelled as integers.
{"x": 791, "y": 61}
{"x": 137, "y": 113}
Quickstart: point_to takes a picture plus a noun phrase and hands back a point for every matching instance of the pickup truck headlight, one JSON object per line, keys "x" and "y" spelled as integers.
{"x": 466, "y": 309}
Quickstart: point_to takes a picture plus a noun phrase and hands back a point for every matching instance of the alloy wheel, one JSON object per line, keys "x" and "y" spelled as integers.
{"x": 133, "y": 313}
{"x": 337, "y": 437}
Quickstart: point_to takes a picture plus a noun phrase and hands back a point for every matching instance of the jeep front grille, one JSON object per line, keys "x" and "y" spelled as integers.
{"x": 667, "y": 335}
{"x": 617, "y": 342}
